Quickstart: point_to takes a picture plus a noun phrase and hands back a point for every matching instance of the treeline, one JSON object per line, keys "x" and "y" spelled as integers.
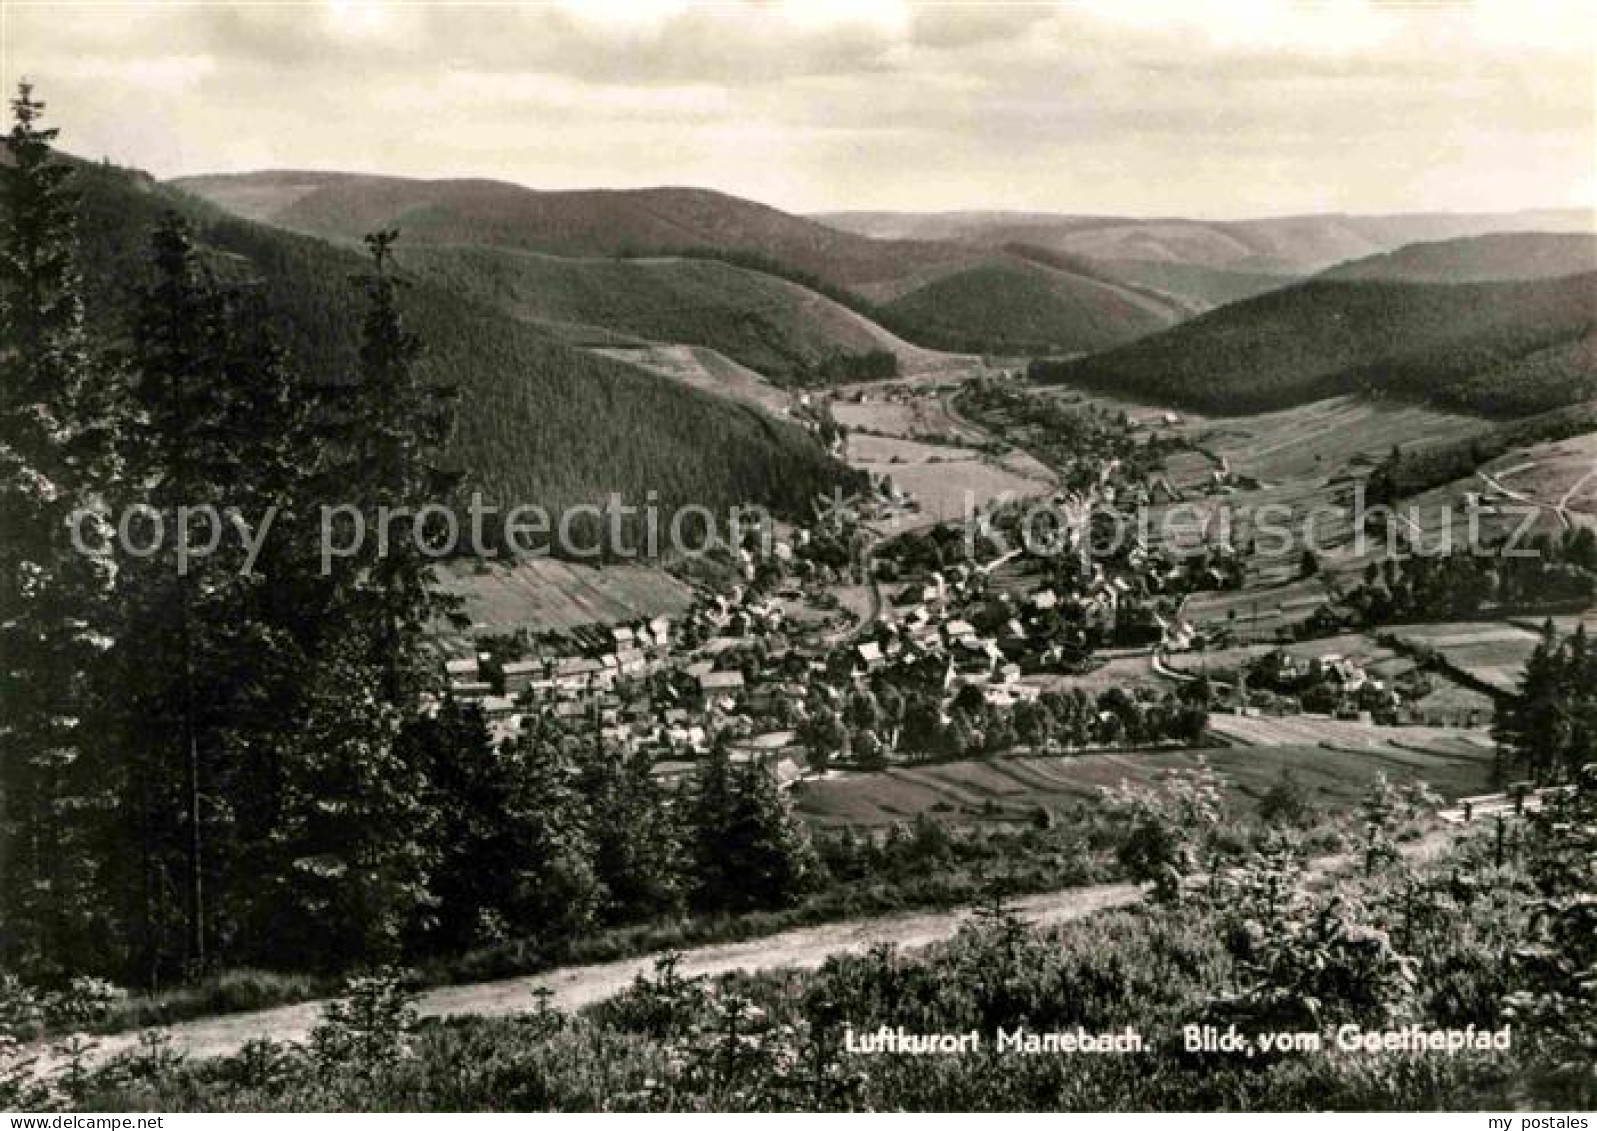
{"x": 1504, "y": 349}
{"x": 211, "y": 758}
{"x": 1071, "y": 437}
{"x": 203, "y": 754}
{"x": 869, "y": 365}
{"x": 873, "y": 722}
{"x": 1550, "y": 729}
{"x": 1547, "y": 571}
{"x": 541, "y": 841}
{"x": 1405, "y": 473}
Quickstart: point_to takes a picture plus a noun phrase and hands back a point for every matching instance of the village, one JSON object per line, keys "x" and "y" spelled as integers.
{"x": 966, "y": 641}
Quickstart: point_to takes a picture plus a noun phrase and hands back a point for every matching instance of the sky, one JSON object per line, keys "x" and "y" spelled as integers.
{"x": 1204, "y": 108}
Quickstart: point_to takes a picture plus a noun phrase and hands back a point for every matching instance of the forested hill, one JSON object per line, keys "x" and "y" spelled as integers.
{"x": 569, "y": 223}
{"x": 1289, "y": 245}
{"x": 934, "y": 293}
{"x": 783, "y": 330}
{"x": 539, "y": 422}
{"x": 1497, "y": 256}
{"x": 1504, "y": 349}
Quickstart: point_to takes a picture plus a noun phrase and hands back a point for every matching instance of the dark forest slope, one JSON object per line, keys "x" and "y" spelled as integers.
{"x": 1500, "y": 255}
{"x": 539, "y": 422}
{"x": 1506, "y": 349}
{"x": 774, "y": 326}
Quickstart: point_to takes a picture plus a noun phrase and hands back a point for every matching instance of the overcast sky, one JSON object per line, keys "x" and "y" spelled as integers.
{"x": 1234, "y": 108}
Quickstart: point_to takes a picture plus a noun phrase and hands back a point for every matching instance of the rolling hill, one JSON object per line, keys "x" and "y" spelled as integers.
{"x": 1505, "y": 349}
{"x": 769, "y": 324}
{"x": 1030, "y": 300}
{"x": 1289, "y": 245}
{"x": 878, "y": 278}
{"x": 1498, "y": 255}
{"x": 540, "y": 422}
{"x": 1203, "y": 287}
{"x": 1204, "y": 263}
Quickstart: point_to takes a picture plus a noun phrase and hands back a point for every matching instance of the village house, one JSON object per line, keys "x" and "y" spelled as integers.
{"x": 718, "y": 688}
{"x": 519, "y": 674}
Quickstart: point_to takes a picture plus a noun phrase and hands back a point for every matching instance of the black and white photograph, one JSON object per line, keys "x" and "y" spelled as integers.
{"x": 790, "y": 556}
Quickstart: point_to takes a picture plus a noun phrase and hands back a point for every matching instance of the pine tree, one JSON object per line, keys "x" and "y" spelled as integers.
{"x": 771, "y": 861}
{"x": 555, "y": 892}
{"x": 750, "y": 852}
{"x": 1550, "y": 728}
{"x": 353, "y": 849}
{"x": 392, "y": 427}
{"x": 637, "y": 842}
{"x": 709, "y": 829}
{"x": 212, "y": 657}
{"x": 54, "y": 463}
{"x": 471, "y": 790}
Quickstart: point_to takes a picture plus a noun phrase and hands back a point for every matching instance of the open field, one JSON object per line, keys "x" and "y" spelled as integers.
{"x": 543, "y": 595}
{"x": 1322, "y": 438}
{"x": 1256, "y": 613}
{"x": 1563, "y": 625}
{"x": 706, "y": 369}
{"x": 1447, "y": 700}
{"x": 1308, "y": 441}
{"x": 919, "y": 417}
{"x": 1559, "y": 473}
{"x": 1127, "y": 671}
{"x": 1347, "y": 736}
{"x": 1011, "y": 789}
{"x": 1559, "y": 478}
{"x": 939, "y": 476}
{"x": 1491, "y": 651}
{"x": 1224, "y": 663}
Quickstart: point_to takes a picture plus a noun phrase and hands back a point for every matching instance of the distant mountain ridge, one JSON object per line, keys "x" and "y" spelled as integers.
{"x": 1063, "y": 309}
{"x": 1290, "y": 245}
{"x": 774, "y": 326}
{"x": 1496, "y": 255}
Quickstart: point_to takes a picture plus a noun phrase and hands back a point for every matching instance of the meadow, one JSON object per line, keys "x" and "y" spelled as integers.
{"x": 1334, "y": 762}
{"x": 1493, "y": 652}
{"x": 704, "y": 368}
{"x": 545, "y": 595}
{"x": 942, "y": 479}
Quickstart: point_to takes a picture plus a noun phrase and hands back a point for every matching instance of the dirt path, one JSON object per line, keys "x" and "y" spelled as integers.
{"x": 577, "y": 986}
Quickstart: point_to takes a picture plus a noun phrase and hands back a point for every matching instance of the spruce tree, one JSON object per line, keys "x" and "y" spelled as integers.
{"x": 709, "y": 826}
{"x": 353, "y": 849}
{"x": 212, "y": 656}
{"x": 637, "y": 842}
{"x": 54, "y": 464}
{"x": 392, "y": 427}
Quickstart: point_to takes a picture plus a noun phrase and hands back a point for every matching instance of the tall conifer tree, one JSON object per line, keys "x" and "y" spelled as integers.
{"x": 54, "y": 464}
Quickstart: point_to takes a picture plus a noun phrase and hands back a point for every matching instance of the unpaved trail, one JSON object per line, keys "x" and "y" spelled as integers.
{"x": 576, "y": 986}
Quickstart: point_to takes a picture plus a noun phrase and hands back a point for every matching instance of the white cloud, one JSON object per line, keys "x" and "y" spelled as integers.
{"x": 1190, "y": 106}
